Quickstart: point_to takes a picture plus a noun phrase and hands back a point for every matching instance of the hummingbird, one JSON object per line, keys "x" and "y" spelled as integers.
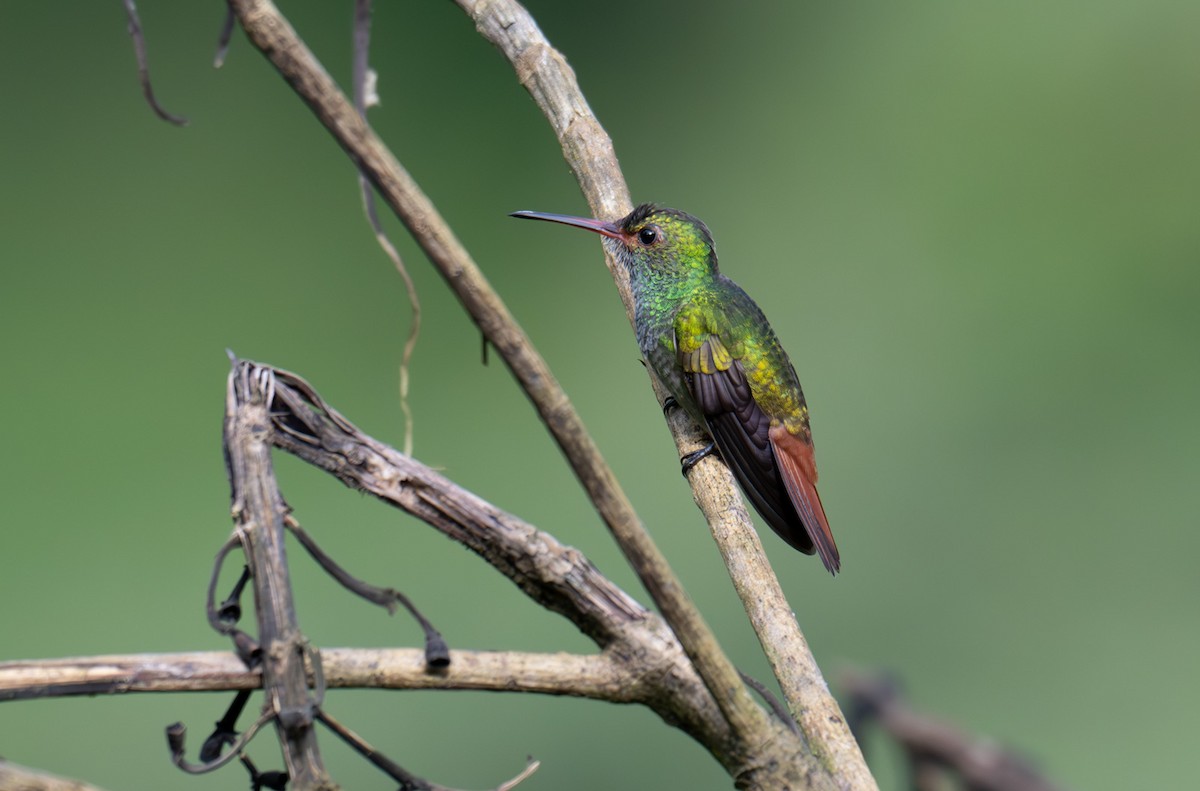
{"x": 712, "y": 348}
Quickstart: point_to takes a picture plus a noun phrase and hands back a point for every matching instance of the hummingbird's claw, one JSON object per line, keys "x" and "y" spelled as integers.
{"x": 669, "y": 403}
{"x": 693, "y": 458}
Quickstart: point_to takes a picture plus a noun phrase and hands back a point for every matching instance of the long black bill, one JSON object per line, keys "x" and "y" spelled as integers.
{"x": 599, "y": 226}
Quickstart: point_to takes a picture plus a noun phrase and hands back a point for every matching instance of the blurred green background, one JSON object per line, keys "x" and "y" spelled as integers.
{"x": 974, "y": 226}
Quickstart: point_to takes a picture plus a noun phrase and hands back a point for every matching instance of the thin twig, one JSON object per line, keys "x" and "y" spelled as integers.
{"x": 365, "y": 97}
{"x": 214, "y": 613}
{"x": 769, "y": 698}
{"x": 437, "y": 654}
{"x": 223, "y": 39}
{"x": 407, "y": 780}
{"x": 177, "y": 733}
{"x": 139, "y": 49}
{"x": 530, "y": 767}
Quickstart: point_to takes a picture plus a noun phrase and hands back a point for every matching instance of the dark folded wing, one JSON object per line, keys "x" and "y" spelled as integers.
{"x": 742, "y": 433}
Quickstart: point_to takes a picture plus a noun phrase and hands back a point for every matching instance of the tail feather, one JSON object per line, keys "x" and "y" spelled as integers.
{"x": 798, "y": 469}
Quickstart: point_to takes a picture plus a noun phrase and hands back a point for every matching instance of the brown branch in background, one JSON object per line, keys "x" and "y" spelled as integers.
{"x": 271, "y": 33}
{"x": 544, "y": 72}
{"x": 938, "y": 753}
{"x": 139, "y": 49}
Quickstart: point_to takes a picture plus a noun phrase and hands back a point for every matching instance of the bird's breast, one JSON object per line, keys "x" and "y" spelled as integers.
{"x": 656, "y": 339}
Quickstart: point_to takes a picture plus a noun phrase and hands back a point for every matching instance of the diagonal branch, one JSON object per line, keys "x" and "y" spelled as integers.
{"x": 589, "y": 153}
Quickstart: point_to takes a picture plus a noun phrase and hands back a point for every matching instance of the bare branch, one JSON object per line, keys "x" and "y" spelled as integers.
{"x": 598, "y": 677}
{"x": 530, "y": 768}
{"x": 108, "y": 675}
{"x": 258, "y": 514}
{"x": 16, "y": 776}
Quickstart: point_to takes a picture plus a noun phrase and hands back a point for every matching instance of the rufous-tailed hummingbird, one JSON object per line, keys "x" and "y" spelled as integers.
{"x": 711, "y": 346}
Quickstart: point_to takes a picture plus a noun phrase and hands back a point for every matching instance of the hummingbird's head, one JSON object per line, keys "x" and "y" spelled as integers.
{"x": 652, "y": 243}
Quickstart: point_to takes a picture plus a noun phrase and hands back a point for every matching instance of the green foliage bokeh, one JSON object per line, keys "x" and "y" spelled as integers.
{"x": 974, "y": 226}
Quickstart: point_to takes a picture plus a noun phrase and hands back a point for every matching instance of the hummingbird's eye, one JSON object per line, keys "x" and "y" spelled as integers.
{"x": 648, "y": 235}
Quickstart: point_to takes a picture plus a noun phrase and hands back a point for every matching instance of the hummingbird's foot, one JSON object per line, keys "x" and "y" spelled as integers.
{"x": 669, "y": 403}
{"x": 693, "y": 458}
